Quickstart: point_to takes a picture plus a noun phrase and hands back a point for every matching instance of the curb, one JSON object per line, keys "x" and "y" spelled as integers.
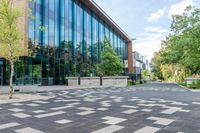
{"x": 186, "y": 88}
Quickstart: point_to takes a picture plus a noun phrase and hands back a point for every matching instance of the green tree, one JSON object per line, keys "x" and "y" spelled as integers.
{"x": 146, "y": 74}
{"x": 111, "y": 64}
{"x": 11, "y": 47}
{"x": 182, "y": 47}
{"x": 156, "y": 66}
{"x": 180, "y": 53}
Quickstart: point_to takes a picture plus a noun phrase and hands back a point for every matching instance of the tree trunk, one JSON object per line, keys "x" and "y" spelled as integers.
{"x": 11, "y": 79}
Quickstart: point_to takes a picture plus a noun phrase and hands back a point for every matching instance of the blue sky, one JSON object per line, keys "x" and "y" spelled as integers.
{"x": 147, "y": 20}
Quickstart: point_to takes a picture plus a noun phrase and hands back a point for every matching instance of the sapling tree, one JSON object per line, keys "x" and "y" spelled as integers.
{"x": 11, "y": 39}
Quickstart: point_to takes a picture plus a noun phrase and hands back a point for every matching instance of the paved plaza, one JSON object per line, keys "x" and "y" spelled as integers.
{"x": 150, "y": 108}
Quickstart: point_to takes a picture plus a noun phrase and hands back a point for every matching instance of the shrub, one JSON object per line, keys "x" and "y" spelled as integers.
{"x": 195, "y": 84}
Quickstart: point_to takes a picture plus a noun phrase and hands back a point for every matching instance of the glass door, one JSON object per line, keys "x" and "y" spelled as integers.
{"x": 1, "y": 75}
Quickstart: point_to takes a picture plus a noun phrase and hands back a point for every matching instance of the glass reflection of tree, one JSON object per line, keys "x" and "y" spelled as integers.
{"x": 66, "y": 53}
{"x": 34, "y": 66}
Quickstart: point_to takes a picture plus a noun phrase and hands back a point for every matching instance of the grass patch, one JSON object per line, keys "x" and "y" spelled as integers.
{"x": 182, "y": 84}
{"x": 195, "y": 84}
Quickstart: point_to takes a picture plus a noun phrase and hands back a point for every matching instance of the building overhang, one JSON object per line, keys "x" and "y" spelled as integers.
{"x": 98, "y": 11}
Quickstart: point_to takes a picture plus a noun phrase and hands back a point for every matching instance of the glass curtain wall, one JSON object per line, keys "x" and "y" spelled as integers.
{"x": 67, "y": 38}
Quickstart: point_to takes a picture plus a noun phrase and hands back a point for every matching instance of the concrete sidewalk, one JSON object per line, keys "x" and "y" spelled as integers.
{"x": 35, "y": 88}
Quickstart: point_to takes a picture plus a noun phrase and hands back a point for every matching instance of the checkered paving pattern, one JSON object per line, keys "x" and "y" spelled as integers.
{"x": 151, "y": 108}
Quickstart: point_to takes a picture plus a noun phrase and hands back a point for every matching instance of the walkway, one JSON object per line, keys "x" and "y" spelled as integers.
{"x": 156, "y": 107}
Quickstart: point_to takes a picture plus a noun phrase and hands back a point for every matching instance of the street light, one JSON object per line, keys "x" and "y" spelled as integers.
{"x": 133, "y": 39}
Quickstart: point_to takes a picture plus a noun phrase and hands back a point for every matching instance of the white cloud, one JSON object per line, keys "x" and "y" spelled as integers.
{"x": 156, "y": 30}
{"x": 178, "y": 8}
{"x": 150, "y": 41}
{"x": 148, "y": 47}
{"x": 149, "y": 44}
{"x": 156, "y": 15}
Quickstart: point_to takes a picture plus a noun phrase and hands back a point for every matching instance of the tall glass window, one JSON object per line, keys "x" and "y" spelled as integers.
{"x": 95, "y": 40}
{"x": 79, "y": 28}
{"x": 111, "y": 38}
{"x": 88, "y": 32}
{"x": 106, "y": 32}
{"x": 73, "y": 36}
{"x": 102, "y": 34}
{"x": 51, "y": 65}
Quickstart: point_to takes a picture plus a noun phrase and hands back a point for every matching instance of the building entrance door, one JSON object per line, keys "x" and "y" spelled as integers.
{"x": 1, "y": 75}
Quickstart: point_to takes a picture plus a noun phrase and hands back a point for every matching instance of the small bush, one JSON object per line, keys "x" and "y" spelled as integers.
{"x": 195, "y": 84}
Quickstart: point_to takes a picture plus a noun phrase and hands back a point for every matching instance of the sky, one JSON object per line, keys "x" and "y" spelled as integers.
{"x": 146, "y": 20}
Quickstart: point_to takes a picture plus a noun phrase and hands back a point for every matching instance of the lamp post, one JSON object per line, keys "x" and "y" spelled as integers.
{"x": 133, "y": 39}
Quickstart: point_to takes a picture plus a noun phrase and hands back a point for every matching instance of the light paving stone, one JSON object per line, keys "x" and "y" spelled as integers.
{"x": 113, "y": 120}
{"x": 88, "y": 99}
{"x": 102, "y": 109}
{"x": 118, "y": 99}
{"x": 61, "y": 107}
{"x": 21, "y": 115}
{"x": 179, "y": 103}
{"x": 148, "y": 129}
{"x": 67, "y": 100}
{"x": 73, "y": 104}
{"x": 85, "y": 108}
{"x": 105, "y": 103}
{"x": 161, "y": 121}
{"x": 109, "y": 129}
{"x": 28, "y": 130}
{"x": 172, "y": 110}
{"x": 130, "y": 111}
{"x": 144, "y": 101}
{"x": 38, "y": 111}
{"x": 146, "y": 105}
{"x": 16, "y": 110}
{"x": 128, "y": 106}
{"x": 162, "y": 101}
{"x": 153, "y": 105}
{"x": 197, "y": 103}
{"x": 86, "y": 112}
{"x": 42, "y": 102}
{"x": 63, "y": 121}
{"x": 33, "y": 104}
{"x": 8, "y": 125}
{"x": 183, "y": 110}
{"x": 17, "y": 104}
{"x": 59, "y": 98}
{"x": 146, "y": 110}
{"x": 133, "y": 100}
{"x": 50, "y": 114}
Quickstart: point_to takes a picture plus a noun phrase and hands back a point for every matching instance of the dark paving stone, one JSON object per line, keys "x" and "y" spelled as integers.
{"x": 188, "y": 122}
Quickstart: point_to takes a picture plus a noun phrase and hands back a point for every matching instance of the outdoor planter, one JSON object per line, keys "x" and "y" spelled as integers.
{"x": 117, "y": 81}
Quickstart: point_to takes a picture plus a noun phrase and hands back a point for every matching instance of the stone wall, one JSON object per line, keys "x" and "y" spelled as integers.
{"x": 116, "y": 81}
{"x": 90, "y": 81}
{"x": 72, "y": 81}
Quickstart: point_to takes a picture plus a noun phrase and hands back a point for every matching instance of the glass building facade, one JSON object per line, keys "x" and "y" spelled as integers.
{"x": 67, "y": 38}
